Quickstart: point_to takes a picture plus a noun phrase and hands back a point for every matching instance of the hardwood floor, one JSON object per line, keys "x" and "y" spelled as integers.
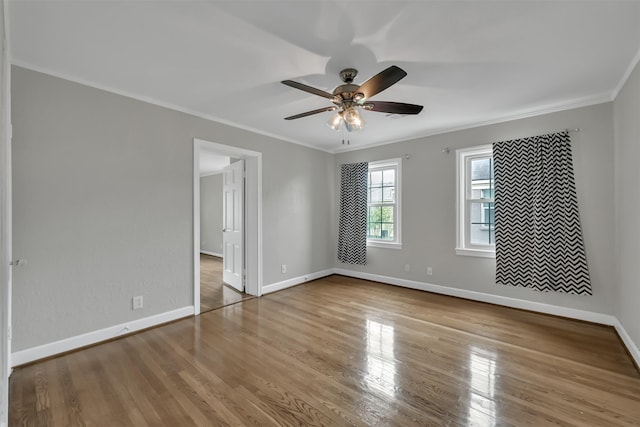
{"x": 213, "y": 293}
{"x": 341, "y": 351}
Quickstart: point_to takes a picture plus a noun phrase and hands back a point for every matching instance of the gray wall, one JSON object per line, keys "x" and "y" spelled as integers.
{"x": 103, "y": 207}
{"x": 211, "y": 213}
{"x": 428, "y": 211}
{"x": 627, "y": 132}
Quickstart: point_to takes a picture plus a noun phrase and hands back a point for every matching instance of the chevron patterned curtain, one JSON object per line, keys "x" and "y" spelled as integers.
{"x": 537, "y": 227}
{"x": 352, "y": 240}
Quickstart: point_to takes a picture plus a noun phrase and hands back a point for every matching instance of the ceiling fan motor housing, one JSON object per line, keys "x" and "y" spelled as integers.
{"x": 348, "y": 74}
{"x": 344, "y": 94}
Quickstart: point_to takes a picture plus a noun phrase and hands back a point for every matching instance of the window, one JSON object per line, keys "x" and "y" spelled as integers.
{"x": 475, "y": 205}
{"x": 383, "y": 218}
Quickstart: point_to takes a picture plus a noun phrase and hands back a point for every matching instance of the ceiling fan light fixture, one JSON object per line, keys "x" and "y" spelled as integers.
{"x": 359, "y": 97}
{"x": 352, "y": 116}
{"x": 352, "y": 119}
{"x": 335, "y": 121}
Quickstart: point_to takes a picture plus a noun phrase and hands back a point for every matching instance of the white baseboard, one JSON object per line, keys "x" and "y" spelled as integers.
{"x": 211, "y": 253}
{"x": 78, "y": 341}
{"x": 278, "y": 286}
{"x": 589, "y": 316}
{"x": 628, "y": 342}
{"x": 57, "y": 347}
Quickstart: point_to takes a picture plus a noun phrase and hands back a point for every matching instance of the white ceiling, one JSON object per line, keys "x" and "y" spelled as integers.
{"x": 468, "y": 62}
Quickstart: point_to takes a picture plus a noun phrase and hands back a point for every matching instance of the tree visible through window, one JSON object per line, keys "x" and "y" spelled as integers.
{"x": 382, "y": 220}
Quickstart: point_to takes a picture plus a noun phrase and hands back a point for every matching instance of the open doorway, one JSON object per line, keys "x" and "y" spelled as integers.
{"x": 227, "y": 224}
{"x": 215, "y": 290}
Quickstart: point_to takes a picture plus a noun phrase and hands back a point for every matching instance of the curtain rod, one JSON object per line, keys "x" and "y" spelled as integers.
{"x": 447, "y": 150}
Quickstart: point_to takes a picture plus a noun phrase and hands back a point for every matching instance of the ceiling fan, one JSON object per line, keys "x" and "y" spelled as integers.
{"x": 349, "y": 97}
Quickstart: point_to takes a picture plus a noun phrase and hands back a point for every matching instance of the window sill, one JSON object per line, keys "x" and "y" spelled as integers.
{"x": 476, "y": 253}
{"x": 387, "y": 245}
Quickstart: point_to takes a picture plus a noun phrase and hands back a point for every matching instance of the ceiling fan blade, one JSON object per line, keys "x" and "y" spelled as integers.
{"x": 381, "y": 81}
{"x": 308, "y": 88}
{"x": 310, "y": 113}
{"x": 392, "y": 107}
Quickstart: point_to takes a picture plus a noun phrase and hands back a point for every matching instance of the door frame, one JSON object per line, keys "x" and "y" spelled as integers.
{"x": 6, "y": 208}
{"x": 252, "y": 215}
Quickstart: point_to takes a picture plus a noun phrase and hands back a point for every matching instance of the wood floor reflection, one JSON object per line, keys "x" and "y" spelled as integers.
{"x": 341, "y": 351}
{"x": 213, "y": 292}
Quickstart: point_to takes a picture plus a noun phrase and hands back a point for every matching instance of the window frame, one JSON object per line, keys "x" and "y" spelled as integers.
{"x": 464, "y": 202}
{"x": 397, "y": 205}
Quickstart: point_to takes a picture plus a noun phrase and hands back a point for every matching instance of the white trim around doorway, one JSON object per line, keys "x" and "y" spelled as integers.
{"x": 5, "y": 215}
{"x": 253, "y": 215}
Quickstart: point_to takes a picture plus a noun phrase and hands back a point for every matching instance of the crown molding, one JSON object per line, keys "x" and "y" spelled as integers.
{"x": 625, "y": 76}
{"x": 524, "y": 114}
{"x": 158, "y": 103}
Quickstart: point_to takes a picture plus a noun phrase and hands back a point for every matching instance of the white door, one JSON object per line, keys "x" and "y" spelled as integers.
{"x": 233, "y": 231}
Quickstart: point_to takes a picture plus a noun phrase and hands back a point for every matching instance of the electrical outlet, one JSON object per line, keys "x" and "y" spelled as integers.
{"x": 407, "y": 267}
{"x": 429, "y": 271}
{"x": 283, "y": 268}
{"x": 137, "y": 302}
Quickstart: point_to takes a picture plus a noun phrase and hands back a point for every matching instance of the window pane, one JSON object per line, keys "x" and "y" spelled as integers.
{"x": 474, "y": 213}
{"x": 389, "y": 177}
{"x": 375, "y": 214}
{"x": 487, "y": 194}
{"x": 387, "y": 231}
{"x": 481, "y": 169}
{"x": 482, "y": 223}
{"x": 482, "y": 235}
{"x": 375, "y": 222}
{"x": 376, "y": 178}
{"x": 387, "y": 214}
{"x": 389, "y": 194}
{"x": 376, "y": 195}
{"x": 481, "y": 178}
{"x": 375, "y": 217}
{"x": 488, "y": 214}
